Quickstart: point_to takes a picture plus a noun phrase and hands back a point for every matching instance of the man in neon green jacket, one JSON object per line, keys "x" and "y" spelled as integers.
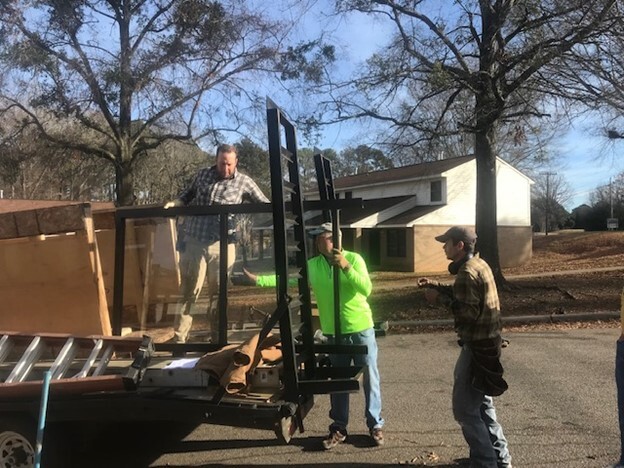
{"x": 356, "y": 322}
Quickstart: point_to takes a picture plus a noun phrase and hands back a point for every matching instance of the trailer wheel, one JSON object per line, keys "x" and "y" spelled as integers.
{"x": 285, "y": 428}
{"x": 17, "y": 443}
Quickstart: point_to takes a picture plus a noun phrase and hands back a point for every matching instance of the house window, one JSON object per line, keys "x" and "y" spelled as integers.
{"x": 395, "y": 243}
{"x": 348, "y": 195}
{"x": 436, "y": 191}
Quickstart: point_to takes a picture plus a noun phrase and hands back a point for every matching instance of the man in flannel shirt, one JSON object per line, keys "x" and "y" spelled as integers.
{"x": 220, "y": 184}
{"x": 619, "y": 381}
{"x": 473, "y": 300}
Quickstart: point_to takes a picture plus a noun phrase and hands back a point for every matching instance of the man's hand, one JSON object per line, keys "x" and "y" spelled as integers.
{"x": 339, "y": 260}
{"x": 172, "y": 204}
{"x": 253, "y": 278}
{"x": 424, "y": 283}
{"x": 431, "y": 295}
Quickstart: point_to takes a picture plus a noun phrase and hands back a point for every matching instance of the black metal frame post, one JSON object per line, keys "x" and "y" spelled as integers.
{"x": 118, "y": 280}
{"x": 223, "y": 278}
{"x": 326, "y": 192}
{"x": 285, "y": 303}
{"x": 299, "y": 233}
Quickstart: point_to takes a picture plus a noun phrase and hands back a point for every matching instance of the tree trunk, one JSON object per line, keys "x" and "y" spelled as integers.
{"x": 486, "y": 210}
{"x": 244, "y": 252}
{"x": 124, "y": 182}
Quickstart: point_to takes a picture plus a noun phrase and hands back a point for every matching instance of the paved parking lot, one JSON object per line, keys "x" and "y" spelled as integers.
{"x": 560, "y": 411}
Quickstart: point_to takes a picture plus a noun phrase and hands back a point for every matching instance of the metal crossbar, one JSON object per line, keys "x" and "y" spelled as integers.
{"x": 6, "y": 345}
{"x": 27, "y": 361}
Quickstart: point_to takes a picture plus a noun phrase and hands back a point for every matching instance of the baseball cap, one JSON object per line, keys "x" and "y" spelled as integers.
{"x": 458, "y": 233}
{"x": 325, "y": 227}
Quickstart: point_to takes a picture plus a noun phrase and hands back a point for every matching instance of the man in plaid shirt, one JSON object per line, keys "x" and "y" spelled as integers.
{"x": 220, "y": 184}
{"x": 473, "y": 300}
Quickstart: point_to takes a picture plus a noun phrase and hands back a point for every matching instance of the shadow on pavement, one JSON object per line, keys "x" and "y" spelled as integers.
{"x": 315, "y": 465}
{"x": 310, "y": 465}
{"x": 127, "y": 445}
{"x": 140, "y": 445}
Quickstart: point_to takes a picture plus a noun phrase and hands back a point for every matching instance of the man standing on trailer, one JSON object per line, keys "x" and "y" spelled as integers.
{"x": 220, "y": 184}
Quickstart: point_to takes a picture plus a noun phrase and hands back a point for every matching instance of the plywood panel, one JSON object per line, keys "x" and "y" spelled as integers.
{"x": 48, "y": 284}
{"x": 104, "y": 219}
{"x": 164, "y": 274}
{"x": 8, "y": 227}
{"x": 51, "y": 220}
{"x": 133, "y": 284}
{"x": 26, "y": 222}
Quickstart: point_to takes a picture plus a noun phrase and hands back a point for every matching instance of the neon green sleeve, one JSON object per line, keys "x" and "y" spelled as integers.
{"x": 270, "y": 281}
{"x": 266, "y": 281}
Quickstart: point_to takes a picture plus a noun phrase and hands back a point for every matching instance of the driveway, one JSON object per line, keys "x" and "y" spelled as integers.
{"x": 560, "y": 411}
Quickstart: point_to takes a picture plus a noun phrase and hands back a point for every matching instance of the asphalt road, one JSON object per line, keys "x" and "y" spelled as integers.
{"x": 560, "y": 411}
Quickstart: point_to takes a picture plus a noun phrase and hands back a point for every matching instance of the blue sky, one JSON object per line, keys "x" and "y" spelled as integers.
{"x": 585, "y": 159}
{"x": 588, "y": 160}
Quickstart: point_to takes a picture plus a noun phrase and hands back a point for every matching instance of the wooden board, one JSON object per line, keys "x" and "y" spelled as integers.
{"x": 133, "y": 283}
{"x": 53, "y": 220}
{"x": 55, "y": 282}
{"x": 164, "y": 274}
{"x": 52, "y": 284}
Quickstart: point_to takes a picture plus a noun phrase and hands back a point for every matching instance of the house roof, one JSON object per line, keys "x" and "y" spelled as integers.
{"x": 9, "y": 205}
{"x": 414, "y": 171}
{"x": 410, "y": 215}
{"x": 369, "y": 207}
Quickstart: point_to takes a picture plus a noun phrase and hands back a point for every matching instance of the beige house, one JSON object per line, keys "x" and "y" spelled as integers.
{"x": 404, "y": 208}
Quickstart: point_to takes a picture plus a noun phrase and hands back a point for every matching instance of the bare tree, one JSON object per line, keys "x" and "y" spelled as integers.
{"x": 611, "y": 193}
{"x": 253, "y": 160}
{"x": 31, "y": 167}
{"x": 134, "y": 74}
{"x": 163, "y": 172}
{"x": 485, "y": 61}
{"x": 596, "y": 80}
{"x": 548, "y": 196}
{"x": 360, "y": 160}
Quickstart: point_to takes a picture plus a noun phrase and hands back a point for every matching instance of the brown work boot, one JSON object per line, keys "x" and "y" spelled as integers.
{"x": 377, "y": 436}
{"x": 334, "y": 438}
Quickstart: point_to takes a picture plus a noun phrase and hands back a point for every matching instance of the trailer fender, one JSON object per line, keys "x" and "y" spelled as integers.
{"x": 17, "y": 441}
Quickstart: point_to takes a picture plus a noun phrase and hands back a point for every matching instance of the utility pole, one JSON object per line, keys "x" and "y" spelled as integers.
{"x": 612, "y": 223}
{"x": 611, "y": 194}
{"x": 547, "y": 214}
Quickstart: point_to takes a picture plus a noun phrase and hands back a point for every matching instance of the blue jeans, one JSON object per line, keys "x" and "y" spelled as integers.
{"x": 339, "y": 412}
{"x": 619, "y": 381}
{"x": 475, "y": 413}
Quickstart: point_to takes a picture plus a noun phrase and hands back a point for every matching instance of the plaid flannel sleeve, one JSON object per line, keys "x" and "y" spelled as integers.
{"x": 251, "y": 189}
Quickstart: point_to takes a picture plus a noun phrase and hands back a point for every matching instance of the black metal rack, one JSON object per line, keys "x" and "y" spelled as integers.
{"x": 302, "y": 375}
{"x": 327, "y": 193}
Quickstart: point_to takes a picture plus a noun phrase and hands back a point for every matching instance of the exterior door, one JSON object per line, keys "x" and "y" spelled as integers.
{"x": 374, "y": 247}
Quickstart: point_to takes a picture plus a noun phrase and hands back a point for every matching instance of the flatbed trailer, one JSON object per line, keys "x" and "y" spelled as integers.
{"x": 117, "y": 379}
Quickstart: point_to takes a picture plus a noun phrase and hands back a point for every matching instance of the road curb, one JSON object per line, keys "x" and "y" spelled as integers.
{"x": 518, "y": 319}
